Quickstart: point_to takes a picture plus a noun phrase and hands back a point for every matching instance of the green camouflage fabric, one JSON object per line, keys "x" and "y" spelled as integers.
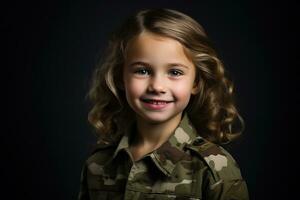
{"x": 184, "y": 167}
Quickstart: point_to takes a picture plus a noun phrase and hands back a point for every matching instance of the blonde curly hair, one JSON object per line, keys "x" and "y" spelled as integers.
{"x": 212, "y": 110}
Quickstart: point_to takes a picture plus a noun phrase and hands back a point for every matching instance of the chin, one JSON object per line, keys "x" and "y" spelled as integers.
{"x": 156, "y": 118}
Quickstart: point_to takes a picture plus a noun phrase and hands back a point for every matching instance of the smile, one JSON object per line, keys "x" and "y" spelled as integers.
{"x": 155, "y": 104}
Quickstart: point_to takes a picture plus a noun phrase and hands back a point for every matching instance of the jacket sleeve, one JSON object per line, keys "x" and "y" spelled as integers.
{"x": 83, "y": 190}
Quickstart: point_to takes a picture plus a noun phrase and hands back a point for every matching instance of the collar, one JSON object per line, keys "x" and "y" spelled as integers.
{"x": 170, "y": 152}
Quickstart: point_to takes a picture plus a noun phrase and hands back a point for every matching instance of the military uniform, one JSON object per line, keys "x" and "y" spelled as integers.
{"x": 184, "y": 167}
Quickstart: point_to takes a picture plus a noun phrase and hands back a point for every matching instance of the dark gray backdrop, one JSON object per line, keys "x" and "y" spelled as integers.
{"x": 50, "y": 48}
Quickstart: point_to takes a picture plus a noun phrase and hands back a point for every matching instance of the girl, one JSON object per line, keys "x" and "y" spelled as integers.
{"x": 162, "y": 105}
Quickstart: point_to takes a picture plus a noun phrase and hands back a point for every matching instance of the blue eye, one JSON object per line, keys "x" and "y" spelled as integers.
{"x": 142, "y": 71}
{"x": 176, "y": 72}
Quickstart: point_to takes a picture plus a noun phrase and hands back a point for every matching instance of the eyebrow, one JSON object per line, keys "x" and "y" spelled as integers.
{"x": 147, "y": 64}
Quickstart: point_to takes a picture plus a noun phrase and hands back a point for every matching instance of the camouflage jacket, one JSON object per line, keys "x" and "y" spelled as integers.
{"x": 184, "y": 167}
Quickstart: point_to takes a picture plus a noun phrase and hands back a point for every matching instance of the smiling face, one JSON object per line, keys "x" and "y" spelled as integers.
{"x": 158, "y": 78}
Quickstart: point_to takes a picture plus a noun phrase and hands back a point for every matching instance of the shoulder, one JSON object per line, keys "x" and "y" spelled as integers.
{"x": 223, "y": 179}
{"x": 101, "y": 152}
{"x": 96, "y": 158}
{"x": 220, "y": 162}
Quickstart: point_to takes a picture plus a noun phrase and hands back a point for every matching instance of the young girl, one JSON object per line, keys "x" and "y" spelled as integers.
{"x": 162, "y": 106}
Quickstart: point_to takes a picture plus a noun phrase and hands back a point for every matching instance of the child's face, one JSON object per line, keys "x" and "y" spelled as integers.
{"x": 157, "y": 88}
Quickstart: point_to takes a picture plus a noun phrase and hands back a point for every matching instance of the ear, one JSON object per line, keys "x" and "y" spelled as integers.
{"x": 195, "y": 89}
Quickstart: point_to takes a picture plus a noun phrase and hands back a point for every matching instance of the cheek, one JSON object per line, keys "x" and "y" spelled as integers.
{"x": 183, "y": 93}
{"x": 134, "y": 88}
{"x": 183, "y": 90}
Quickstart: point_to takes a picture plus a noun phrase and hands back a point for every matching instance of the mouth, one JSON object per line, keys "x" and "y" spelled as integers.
{"x": 156, "y": 104}
{"x": 156, "y": 101}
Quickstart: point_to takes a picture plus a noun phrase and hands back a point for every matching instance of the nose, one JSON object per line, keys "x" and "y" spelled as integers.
{"x": 157, "y": 84}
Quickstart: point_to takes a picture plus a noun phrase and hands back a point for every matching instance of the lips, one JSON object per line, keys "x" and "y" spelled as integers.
{"x": 156, "y": 101}
{"x": 156, "y": 104}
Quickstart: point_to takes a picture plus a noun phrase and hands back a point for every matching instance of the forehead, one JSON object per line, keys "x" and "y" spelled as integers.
{"x": 157, "y": 49}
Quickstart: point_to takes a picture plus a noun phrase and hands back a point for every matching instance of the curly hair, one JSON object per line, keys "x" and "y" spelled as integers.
{"x": 212, "y": 110}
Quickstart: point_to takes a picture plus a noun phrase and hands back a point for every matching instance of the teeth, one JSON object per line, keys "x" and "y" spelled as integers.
{"x": 158, "y": 102}
{"x": 155, "y": 102}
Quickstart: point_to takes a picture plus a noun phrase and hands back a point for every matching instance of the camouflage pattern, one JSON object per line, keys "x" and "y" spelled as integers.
{"x": 185, "y": 167}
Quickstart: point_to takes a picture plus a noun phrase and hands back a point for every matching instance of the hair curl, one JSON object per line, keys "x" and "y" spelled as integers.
{"x": 212, "y": 110}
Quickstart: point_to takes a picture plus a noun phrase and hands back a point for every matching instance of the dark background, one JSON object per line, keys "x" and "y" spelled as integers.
{"x": 51, "y": 47}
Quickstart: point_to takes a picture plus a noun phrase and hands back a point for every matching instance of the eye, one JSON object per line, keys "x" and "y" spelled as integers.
{"x": 176, "y": 72}
{"x": 142, "y": 71}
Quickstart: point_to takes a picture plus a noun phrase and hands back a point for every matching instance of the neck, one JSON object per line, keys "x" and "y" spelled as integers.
{"x": 155, "y": 134}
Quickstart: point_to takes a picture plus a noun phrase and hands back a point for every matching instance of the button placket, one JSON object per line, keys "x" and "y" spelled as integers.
{"x": 132, "y": 172}
{"x": 130, "y": 181}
